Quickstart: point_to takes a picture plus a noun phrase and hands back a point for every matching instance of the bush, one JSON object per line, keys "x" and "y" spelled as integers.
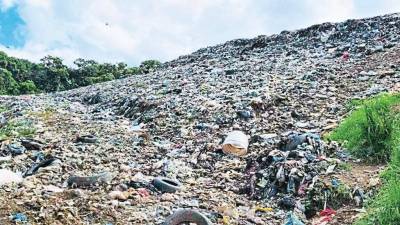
{"x": 22, "y": 128}
{"x": 27, "y": 87}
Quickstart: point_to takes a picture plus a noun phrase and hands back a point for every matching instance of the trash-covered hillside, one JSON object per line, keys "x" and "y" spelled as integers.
{"x": 234, "y": 132}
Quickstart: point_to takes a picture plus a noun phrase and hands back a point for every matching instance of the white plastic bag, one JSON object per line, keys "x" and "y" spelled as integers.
{"x": 236, "y": 143}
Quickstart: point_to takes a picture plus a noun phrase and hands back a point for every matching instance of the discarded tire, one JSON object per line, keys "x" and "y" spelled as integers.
{"x": 87, "y": 139}
{"x": 187, "y": 216}
{"x": 165, "y": 184}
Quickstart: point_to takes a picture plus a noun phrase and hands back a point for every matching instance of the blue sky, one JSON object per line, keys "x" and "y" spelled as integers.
{"x": 11, "y": 25}
{"x": 134, "y": 30}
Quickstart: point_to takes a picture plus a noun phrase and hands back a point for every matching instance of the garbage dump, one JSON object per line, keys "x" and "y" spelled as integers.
{"x": 139, "y": 149}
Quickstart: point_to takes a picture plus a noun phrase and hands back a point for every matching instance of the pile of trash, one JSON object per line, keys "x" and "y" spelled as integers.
{"x": 300, "y": 165}
{"x": 231, "y": 134}
{"x": 289, "y": 170}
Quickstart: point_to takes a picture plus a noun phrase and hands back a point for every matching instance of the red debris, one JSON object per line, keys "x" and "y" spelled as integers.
{"x": 346, "y": 55}
{"x": 143, "y": 192}
{"x": 327, "y": 212}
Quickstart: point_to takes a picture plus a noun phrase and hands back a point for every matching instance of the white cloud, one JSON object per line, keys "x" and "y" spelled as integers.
{"x": 132, "y": 31}
{"x": 6, "y": 4}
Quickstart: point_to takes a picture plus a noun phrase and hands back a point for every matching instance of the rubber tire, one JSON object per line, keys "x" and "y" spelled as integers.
{"x": 187, "y": 216}
{"x": 168, "y": 185}
{"x": 87, "y": 139}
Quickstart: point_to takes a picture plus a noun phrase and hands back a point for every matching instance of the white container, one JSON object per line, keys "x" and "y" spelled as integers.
{"x": 7, "y": 176}
{"x": 236, "y": 143}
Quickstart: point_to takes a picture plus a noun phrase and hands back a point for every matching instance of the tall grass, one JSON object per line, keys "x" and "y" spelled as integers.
{"x": 385, "y": 207}
{"x": 368, "y": 131}
{"x": 372, "y": 132}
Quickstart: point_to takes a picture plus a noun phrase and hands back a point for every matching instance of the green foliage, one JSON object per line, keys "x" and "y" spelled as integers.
{"x": 345, "y": 166}
{"x": 385, "y": 207}
{"x": 27, "y": 87}
{"x": 18, "y": 76}
{"x": 56, "y": 76}
{"x": 3, "y": 109}
{"x": 8, "y": 86}
{"x": 367, "y": 131}
{"x": 21, "y": 128}
{"x": 372, "y": 131}
{"x": 149, "y": 65}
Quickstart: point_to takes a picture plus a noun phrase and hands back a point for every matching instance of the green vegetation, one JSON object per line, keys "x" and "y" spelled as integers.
{"x": 345, "y": 166}
{"x": 335, "y": 196}
{"x": 17, "y": 129}
{"x": 149, "y": 65}
{"x": 19, "y": 76}
{"x": 368, "y": 131}
{"x": 372, "y": 132}
{"x": 385, "y": 207}
{"x": 2, "y": 109}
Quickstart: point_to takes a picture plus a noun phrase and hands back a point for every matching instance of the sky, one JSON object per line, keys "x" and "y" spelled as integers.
{"x": 132, "y": 31}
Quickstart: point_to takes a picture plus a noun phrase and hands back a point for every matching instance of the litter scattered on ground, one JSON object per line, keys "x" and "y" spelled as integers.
{"x": 234, "y": 132}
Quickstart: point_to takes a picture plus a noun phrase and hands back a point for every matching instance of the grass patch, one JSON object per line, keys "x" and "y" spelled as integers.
{"x": 46, "y": 115}
{"x": 368, "y": 131}
{"x": 345, "y": 166}
{"x": 3, "y": 109}
{"x": 384, "y": 208}
{"x": 23, "y": 128}
{"x": 372, "y": 132}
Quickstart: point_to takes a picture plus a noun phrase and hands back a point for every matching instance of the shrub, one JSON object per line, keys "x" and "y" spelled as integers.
{"x": 22, "y": 128}
{"x": 27, "y": 87}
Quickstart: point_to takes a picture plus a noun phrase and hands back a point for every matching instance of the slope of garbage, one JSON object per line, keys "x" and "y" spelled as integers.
{"x": 102, "y": 154}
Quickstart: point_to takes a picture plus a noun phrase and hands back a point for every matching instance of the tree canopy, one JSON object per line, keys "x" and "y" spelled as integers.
{"x": 19, "y": 76}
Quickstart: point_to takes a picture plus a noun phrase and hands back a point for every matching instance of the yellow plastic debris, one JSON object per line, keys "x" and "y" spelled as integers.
{"x": 225, "y": 220}
{"x": 264, "y": 209}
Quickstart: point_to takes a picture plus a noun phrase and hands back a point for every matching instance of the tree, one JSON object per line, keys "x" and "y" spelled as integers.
{"x": 27, "y": 87}
{"x": 149, "y": 65}
{"x": 20, "y": 76}
{"x": 56, "y": 76}
{"x": 8, "y": 86}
